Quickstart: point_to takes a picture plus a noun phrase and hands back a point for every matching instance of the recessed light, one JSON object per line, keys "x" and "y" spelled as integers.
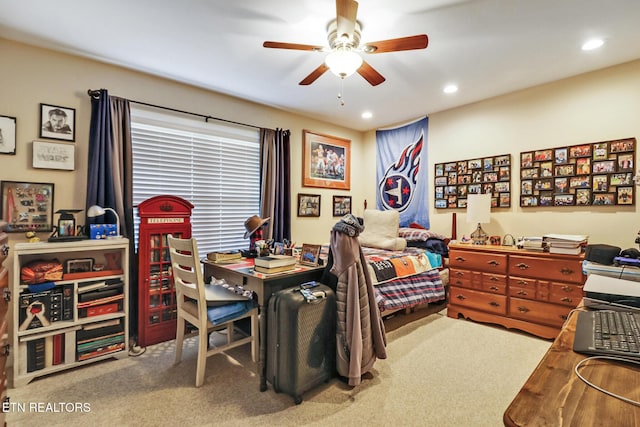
{"x": 450, "y": 89}
{"x": 592, "y": 44}
{"x": 367, "y": 115}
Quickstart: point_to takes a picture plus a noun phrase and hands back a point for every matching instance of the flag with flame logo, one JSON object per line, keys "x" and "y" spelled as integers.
{"x": 402, "y": 172}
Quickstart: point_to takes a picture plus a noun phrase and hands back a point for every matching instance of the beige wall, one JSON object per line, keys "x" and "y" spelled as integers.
{"x": 598, "y": 106}
{"x": 594, "y": 107}
{"x": 29, "y": 76}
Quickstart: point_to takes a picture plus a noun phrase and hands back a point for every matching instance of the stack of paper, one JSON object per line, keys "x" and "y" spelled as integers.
{"x": 571, "y": 244}
{"x": 531, "y": 243}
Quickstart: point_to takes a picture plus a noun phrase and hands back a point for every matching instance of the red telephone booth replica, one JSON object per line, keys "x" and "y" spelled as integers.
{"x": 159, "y": 216}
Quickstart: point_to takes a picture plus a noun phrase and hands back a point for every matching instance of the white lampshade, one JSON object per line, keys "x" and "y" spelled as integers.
{"x": 343, "y": 62}
{"x": 479, "y": 208}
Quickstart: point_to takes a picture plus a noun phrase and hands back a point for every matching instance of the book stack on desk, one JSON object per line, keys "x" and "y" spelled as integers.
{"x": 274, "y": 263}
{"x": 223, "y": 257}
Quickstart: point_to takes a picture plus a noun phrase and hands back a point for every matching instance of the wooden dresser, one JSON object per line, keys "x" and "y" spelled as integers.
{"x": 526, "y": 290}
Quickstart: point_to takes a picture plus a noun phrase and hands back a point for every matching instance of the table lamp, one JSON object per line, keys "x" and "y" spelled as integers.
{"x": 96, "y": 210}
{"x": 479, "y": 211}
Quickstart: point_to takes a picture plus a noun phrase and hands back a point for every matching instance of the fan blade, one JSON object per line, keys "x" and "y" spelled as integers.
{"x": 346, "y": 12}
{"x": 370, "y": 74}
{"x": 294, "y": 46}
{"x": 393, "y": 45}
{"x": 314, "y": 75}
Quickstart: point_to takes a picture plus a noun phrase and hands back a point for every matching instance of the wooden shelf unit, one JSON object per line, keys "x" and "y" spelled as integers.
{"x": 515, "y": 288}
{"x": 64, "y": 331}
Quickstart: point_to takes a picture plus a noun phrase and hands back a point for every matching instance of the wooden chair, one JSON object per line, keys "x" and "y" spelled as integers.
{"x": 192, "y": 307}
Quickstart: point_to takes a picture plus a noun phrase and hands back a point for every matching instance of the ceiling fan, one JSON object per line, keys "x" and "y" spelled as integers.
{"x": 344, "y": 47}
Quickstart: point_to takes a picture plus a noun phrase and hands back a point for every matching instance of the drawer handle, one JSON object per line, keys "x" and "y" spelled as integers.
{"x": 523, "y": 282}
{"x": 5, "y": 249}
{"x": 461, "y": 297}
{"x": 523, "y": 293}
{"x": 563, "y": 316}
{"x": 493, "y": 288}
{"x": 494, "y": 304}
{"x": 493, "y": 262}
{"x": 493, "y": 279}
{"x": 567, "y": 288}
{"x": 7, "y": 295}
{"x": 523, "y": 309}
{"x": 6, "y": 350}
{"x": 522, "y": 266}
{"x": 566, "y": 299}
{"x": 459, "y": 273}
{"x": 461, "y": 259}
{"x": 566, "y": 271}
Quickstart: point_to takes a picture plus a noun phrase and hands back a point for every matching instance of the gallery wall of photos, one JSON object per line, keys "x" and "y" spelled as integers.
{"x": 455, "y": 180}
{"x": 593, "y": 174}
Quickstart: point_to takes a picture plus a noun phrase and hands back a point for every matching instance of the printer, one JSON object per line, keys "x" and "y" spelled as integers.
{"x": 610, "y": 293}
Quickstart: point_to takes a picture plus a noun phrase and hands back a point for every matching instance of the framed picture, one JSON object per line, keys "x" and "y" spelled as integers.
{"x": 327, "y": 161}
{"x": 7, "y": 135}
{"x": 309, "y": 254}
{"x": 625, "y": 195}
{"x": 27, "y": 206}
{"x": 341, "y": 205}
{"x": 526, "y": 160}
{"x": 53, "y": 155}
{"x": 57, "y": 122}
{"x": 82, "y": 265}
{"x": 308, "y": 204}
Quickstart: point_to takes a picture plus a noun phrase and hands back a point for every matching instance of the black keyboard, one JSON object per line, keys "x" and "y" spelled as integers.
{"x": 608, "y": 332}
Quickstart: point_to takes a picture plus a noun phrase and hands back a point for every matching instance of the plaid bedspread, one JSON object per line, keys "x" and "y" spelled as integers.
{"x": 405, "y": 292}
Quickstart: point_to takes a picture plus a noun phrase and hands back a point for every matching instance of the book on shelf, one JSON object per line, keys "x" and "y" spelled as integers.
{"x": 113, "y": 348}
{"x": 272, "y": 261}
{"x": 272, "y": 270}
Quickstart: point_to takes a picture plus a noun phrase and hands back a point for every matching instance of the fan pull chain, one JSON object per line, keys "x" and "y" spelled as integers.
{"x": 340, "y": 97}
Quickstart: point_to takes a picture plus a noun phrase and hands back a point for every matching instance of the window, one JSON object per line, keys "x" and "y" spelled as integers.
{"x": 215, "y": 166}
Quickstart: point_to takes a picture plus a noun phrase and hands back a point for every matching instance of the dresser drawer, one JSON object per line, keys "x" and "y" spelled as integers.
{"x": 566, "y": 294}
{"x": 488, "y": 302}
{"x": 538, "y": 312}
{"x": 496, "y": 283}
{"x": 566, "y": 270}
{"x": 464, "y": 278}
{"x": 487, "y": 262}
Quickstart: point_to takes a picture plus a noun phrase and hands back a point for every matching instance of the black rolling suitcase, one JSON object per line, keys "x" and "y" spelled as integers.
{"x": 301, "y": 343}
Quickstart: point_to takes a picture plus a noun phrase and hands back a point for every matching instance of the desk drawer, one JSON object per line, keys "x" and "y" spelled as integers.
{"x": 484, "y": 301}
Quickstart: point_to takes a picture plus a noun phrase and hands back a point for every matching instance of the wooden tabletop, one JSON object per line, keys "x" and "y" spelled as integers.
{"x": 555, "y": 396}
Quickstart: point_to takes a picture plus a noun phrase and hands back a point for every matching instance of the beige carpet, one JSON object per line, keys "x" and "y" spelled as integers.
{"x": 440, "y": 372}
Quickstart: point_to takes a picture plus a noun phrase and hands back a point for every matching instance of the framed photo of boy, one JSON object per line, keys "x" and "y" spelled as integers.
{"x": 309, "y": 254}
{"x": 57, "y": 122}
{"x": 7, "y": 135}
{"x": 327, "y": 161}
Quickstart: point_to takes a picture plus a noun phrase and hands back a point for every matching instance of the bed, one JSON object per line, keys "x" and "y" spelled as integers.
{"x": 408, "y": 266}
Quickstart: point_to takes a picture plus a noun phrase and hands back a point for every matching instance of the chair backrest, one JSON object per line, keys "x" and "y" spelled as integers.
{"x": 187, "y": 272}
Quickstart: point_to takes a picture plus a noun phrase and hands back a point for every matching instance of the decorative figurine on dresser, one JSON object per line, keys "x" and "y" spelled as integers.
{"x": 159, "y": 217}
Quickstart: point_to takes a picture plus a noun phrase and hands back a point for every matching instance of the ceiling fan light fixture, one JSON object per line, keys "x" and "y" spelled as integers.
{"x": 343, "y": 62}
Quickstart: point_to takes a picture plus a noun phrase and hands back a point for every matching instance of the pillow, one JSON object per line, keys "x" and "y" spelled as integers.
{"x": 418, "y": 234}
{"x": 381, "y": 230}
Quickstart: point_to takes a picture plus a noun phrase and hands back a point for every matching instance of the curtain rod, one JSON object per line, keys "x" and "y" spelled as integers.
{"x": 96, "y": 94}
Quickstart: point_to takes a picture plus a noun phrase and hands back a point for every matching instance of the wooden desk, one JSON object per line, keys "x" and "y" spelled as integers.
{"x": 264, "y": 285}
{"x": 554, "y": 396}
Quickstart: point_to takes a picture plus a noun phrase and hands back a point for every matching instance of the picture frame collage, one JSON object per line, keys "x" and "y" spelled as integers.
{"x": 591, "y": 174}
{"x": 455, "y": 180}
{"x": 309, "y": 205}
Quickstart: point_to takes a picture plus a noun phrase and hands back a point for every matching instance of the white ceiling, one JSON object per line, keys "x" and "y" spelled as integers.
{"x": 486, "y": 47}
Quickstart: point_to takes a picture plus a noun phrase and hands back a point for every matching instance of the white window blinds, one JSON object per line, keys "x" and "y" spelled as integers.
{"x": 215, "y": 166}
